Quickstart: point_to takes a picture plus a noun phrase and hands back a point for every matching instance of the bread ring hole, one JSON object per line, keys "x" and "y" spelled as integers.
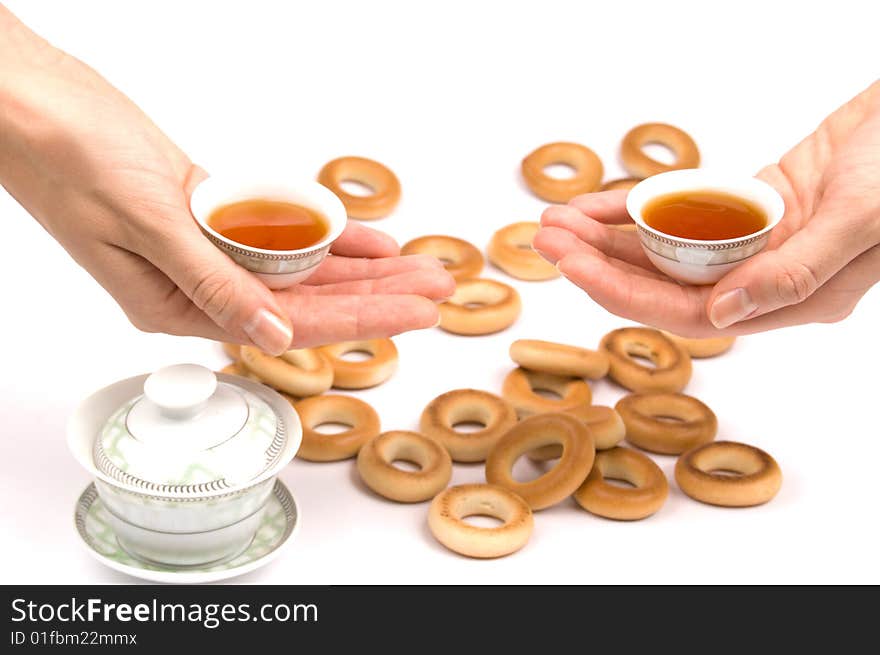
{"x": 619, "y": 482}
{"x": 666, "y": 418}
{"x": 642, "y": 354}
{"x": 525, "y": 469}
{"x": 446, "y": 261}
{"x": 642, "y": 360}
{"x": 406, "y": 465}
{"x": 486, "y": 521}
{"x": 616, "y": 474}
{"x": 481, "y": 506}
{"x": 406, "y": 455}
{"x": 466, "y": 427}
{"x": 560, "y": 171}
{"x": 725, "y": 473}
{"x": 356, "y": 188}
{"x": 474, "y": 305}
{"x": 660, "y": 152}
{"x": 468, "y": 417}
{"x": 728, "y": 464}
{"x": 550, "y": 394}
{"x": 332, "y": 427}
{"x": 484, "y": 294}
{"x": 356, "y": 355}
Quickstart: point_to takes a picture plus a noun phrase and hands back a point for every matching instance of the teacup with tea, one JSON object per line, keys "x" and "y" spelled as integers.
{"x": 695, "y": 225}
{"x": 279, "y": 230}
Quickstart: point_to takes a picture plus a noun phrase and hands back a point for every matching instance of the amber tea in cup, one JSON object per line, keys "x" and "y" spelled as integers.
{"x": 704, "y": 215}
{"x": 269, "y": 224}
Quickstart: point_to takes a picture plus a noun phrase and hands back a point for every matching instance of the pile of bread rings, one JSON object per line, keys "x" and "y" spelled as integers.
{"x": 584, "y": 438}
{"x": 304, "y": 375}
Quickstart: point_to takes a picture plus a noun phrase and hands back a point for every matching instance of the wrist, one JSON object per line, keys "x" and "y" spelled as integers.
{"x": 21, "y": 49}
{"x": 24, "y": 59}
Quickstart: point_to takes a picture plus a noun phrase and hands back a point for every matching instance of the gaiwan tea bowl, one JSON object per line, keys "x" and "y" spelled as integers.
{"x": 184, "y": 460}
{"x": 702, "y": 261}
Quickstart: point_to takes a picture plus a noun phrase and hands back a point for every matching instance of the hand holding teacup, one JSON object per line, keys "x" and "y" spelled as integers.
{"x": 819, "y": 260}
{"x": 114, "y": 191}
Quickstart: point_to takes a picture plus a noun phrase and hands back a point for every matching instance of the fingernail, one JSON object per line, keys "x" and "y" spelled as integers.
{"x": 731, "y": 307}
{"x": 269, "y": 332}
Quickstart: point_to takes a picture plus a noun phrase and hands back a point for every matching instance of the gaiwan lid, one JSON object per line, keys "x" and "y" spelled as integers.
{"x": 189, "y": 434}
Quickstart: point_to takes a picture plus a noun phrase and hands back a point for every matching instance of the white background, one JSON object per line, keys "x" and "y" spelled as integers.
{"x": 451, "y": 96}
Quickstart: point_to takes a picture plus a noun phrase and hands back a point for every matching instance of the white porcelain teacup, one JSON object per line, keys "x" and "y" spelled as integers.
{"x": 696, "y": 261}
{"x": 278, "y": 269}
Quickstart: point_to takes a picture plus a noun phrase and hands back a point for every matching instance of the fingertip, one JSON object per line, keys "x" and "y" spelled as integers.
{"x": 554, "y": 214}
{"x": 574, "y": 265}
{"x": 544, "y": 243}
{"x": 433, "y": 283}
{"x": 425, "y": 261}
{"x": 446, "y": 284}
{"x": 540, "y": 238}
{"x": 555, "y": 243}
{"x": 742, "y": 276}
{"x": 386, "y": 245}
{"x": 423, "y": 313}
{"x": 603, "y": 206}
{"x": 361, "y": 241}
{"x": 375, "y": 243}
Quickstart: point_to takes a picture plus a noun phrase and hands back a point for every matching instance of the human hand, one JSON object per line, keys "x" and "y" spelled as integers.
{"x": 821, "y": 259}
{"x": 88, "y": 164}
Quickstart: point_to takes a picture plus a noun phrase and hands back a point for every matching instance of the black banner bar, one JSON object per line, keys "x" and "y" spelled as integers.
{"x": 269, "y": 617}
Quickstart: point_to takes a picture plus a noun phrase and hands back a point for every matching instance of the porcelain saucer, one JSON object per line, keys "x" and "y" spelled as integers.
{"x": 279, "y": 523}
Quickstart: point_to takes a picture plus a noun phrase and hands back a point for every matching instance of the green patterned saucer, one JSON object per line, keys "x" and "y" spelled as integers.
{"x": 280, "y": 521}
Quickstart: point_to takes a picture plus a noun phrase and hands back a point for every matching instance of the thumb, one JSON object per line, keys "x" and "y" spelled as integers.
{"x": 791, "y": 273}
{"x": 228, "y": 294}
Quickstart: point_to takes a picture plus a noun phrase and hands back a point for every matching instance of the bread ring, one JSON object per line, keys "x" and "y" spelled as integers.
{"x": 535, "y": 432}
{"x": 452, "y": 505}
{"x": 462, "y": 259}
{"x": 621, "y": 183}
{"x": 510, "y": 249}
{"x": 375, "y": 458}
{"x": 559, "y": 359}
{"x": 692, "y": 422}
{"x": 520, "y": 385}
{"x": 362, "y": 419}
{"x": 699, "y": 348}
{"x": 639, "y": 164}
{"x": 672, "y": 369}
{"x": 378, "y": 177}
{"x": 494, "y": 306}
{"x": 302, "y": 373}
{"x": 624, "y": 227}
{"x": 235, "y": 368}
{"x": 605, "y": 425}
{"x": 231, "y": 350}
{"x": 363, "y": 374}
{"x": 587, "y": 171}
{"x": 759, "y": 479}
{"x": 624, "y": 504}
{"x": 442, "y": 414}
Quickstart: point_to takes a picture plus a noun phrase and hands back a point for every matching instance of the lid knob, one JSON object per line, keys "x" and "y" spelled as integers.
{"x": 180, "y": 391}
